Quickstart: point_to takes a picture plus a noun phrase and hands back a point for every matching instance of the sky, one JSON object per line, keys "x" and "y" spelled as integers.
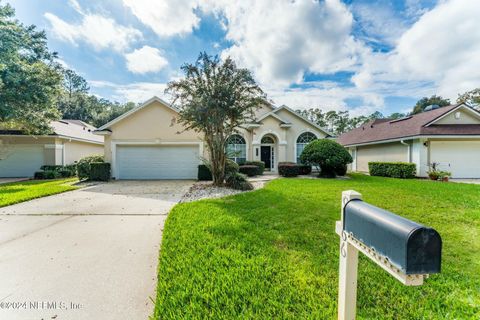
{"x": 362, "y": 56}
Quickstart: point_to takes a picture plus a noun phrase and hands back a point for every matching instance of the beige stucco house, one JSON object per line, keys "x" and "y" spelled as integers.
{"x": 148, "y": 143}
{"x": 448, "y": 136}
{"x": 21, "y": 155}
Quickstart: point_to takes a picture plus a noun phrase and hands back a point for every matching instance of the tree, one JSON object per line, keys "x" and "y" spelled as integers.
{"x": 215, "y": 98}
{"x": 425, "y": 102}
{"x": 30, "y": 77}
{"x": 329, "y": 155}
{"x": 472, "y": 98}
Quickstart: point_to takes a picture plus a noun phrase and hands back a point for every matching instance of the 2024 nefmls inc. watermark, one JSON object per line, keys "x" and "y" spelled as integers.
{"x": 40, "y": 305}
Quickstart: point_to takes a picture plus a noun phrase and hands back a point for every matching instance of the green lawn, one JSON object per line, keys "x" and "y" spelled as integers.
{"x": 15, "y": 192}
{"x": 273, "y": 253}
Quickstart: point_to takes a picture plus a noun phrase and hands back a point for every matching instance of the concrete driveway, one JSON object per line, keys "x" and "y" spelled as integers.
{"x": 85, "y": 254}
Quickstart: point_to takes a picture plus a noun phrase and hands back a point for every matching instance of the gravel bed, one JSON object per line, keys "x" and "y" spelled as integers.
{"x": 205, "y": 190}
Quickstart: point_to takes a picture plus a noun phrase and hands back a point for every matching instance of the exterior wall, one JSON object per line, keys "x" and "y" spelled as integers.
{"x": 154, "y": 123}
{"x": 49, "y": 145}
{"x": 262, "y": 110}
{"x": 388, "y": 152}
{"x": 420, "y": 151}
{"x": 465, "y": 118}
{"x": 75, "y": 150}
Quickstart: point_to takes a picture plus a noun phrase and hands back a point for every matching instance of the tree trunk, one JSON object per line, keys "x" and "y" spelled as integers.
{"x": 217, "y": 159}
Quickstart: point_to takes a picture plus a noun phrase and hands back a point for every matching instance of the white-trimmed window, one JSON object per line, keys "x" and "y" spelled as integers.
{"x": 237, "y": 148}
{"x": 302, "y": 140}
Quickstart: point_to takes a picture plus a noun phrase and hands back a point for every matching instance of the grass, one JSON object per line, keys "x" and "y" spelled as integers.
{"x": 273, "y": 253}
{"x": 11, "y": 193}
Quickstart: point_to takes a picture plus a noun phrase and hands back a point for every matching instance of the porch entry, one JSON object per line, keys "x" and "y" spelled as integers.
{"x": 267, "y": 152}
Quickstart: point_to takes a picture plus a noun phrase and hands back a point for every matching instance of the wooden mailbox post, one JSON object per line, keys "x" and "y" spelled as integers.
{"x": 405, "y": 249}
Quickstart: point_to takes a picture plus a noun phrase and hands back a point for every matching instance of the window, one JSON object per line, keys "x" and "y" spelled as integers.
{"x": 237, "y": 148}
{"x": 302, "y": 140}
{"x": 267, "y": 140}
{"x": 457, "y": 115}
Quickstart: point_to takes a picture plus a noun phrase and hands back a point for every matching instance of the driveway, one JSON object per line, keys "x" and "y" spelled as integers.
{"x": 85, "y": 254}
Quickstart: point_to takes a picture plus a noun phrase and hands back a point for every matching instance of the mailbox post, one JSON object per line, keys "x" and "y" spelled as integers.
{"x": 405, "y": 249}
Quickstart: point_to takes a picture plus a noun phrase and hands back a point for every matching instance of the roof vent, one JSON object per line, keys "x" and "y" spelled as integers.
{"x": 431, "y": 107}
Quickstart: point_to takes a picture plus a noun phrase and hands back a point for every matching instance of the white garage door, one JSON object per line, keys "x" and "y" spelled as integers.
{"x": 461, "y": 158}
{"x": 157, "y": 162}
{"x": 20, "y": 160}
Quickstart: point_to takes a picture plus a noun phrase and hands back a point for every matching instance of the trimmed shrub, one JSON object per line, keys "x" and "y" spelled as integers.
{"x": 204, "y": 173}
{"x": 83, "y": 166}
{"x": 304, "y": 169}
{"x": 260, "y": 165}
{"x": 238, "y": 181}
{"x": 39, "y": 175}
{"x": 327, "y": 154}
{"x": 51, "y": 174}
{"x": 51, "y": 168}
{"x": 288, "y": 169}
{"x": 99, "y": 171}
{"x": 64, "y": 173}
{"x": 249, "y": 170}
{"x": 231, "y": 167}
{"x": 403, "y": 170}
{"x": 342, "y": 170}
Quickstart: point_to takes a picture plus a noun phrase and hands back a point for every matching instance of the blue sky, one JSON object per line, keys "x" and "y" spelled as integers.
{"x": 362, "y": 56}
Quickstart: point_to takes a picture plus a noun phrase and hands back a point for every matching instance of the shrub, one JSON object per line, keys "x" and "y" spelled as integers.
{"x": 51, "y": 168}
{"x": 238, "y": 181}
{"x": 327, "y": 154}
{"x": 288, "y": 169}
{"x": 249, "y": 170}
{"x": 204, "y": 173}
{"x": 231, "y": 167}
{"x": 83, "y": 166}
{"x": 260, "y": 165}
{"x": 39, "y": 175}
{"x": 99, "y": 171}
{"x": 51, "y": 174}
{"x": 304, "y": 169}
{"x": 402, "y": 170}
{"x": 342, "y": 170}
{"x": 64, "y": 173}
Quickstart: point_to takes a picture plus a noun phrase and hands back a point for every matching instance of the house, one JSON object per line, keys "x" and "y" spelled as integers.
{"x": 21, "y": 155}
{"x": 449, "y": 136}
{"x": 148, "y": 143}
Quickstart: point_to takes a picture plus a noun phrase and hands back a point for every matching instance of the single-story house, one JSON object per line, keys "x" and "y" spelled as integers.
{"x": 148, "y": 143}
{"x": 21, "y": 155}
{"x": 448, "y": 136}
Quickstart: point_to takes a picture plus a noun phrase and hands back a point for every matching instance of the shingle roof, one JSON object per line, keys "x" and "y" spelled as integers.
{"x": 386, "y": 129}
{"x": 75, "y": 129}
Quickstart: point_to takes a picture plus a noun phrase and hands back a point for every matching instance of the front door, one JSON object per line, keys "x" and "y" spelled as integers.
{"x": 266, "y": 156}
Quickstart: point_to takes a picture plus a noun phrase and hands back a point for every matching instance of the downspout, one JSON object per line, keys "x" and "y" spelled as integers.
{"x": 409, "y": 146}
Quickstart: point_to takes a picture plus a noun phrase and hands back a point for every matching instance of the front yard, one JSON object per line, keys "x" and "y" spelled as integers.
{"x": 11, "y": 193}
{"x": 273, "y": 253}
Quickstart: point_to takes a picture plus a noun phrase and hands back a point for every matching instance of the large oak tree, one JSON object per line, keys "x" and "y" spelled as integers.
{"x": 215, "y": 98}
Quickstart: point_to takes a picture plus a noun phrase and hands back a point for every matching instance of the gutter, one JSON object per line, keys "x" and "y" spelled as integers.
{"x": 409, "y": 146}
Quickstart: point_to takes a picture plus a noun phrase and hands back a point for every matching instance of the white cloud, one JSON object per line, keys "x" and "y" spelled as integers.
{"x": 98, "y": 31}
{"x": 135, "y": 92}
{"x": 165, "y": 17}
{"x": 144, "y": 60}
{"x": 281, "y": 40}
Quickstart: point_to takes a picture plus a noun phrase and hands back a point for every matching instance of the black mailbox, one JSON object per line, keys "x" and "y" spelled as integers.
{"x": 409, "y": 246}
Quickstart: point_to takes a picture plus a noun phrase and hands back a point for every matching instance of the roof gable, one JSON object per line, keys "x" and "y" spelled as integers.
{"x": 296, "y": 114}
{"x": 136, "y": 109}
{"x": 447, "y": 117}
{"x": 273, "y": 115}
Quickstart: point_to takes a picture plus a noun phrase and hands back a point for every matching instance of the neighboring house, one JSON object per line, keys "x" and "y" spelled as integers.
{"x": 21, "y": 155}
{"x": 148, "y": 143}
{"x": 449, "y": 136}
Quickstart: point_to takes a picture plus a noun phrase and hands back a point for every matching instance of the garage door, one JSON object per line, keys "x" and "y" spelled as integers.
{"x": 461, "y": 158}
{"x": 20, "y": 160}
{"x": 157, "y": 162}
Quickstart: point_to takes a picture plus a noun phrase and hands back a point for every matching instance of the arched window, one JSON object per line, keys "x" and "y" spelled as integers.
{"x": 302, "y": 140}
{"x": 267, "y": 140}
{"x": 237, "y": 148}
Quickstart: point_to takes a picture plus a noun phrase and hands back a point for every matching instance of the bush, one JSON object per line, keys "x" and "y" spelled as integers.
{"x": 249, "y": 170}
{"x": 238, "y": 181}
{"x": 288, "y": 169}
{"x": 204, "y": 173}
{"x": 64, "y": 173}
{"x": 304, "y": 169}
{"x": 83, "y": 166}
{"x": 51, "y": 174}
{"x": 51, "y": 168}
{"x": 402, "y": 170}
{"x": 259, "y": 164}
{"x": 341, "y": 171}
{"x": 39, "y": 175}
{"x": 327, "y": 154}
{"x": 99, "y": 171}
{"x": 231, "y": 167}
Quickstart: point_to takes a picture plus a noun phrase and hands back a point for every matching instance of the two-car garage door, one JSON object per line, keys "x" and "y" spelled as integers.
{"x": 20, "y": 160}
{"x": 157, "y": 162}
{"x": 461, "y": 158}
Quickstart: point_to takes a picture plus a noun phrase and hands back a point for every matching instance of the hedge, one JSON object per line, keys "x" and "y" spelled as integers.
{"x": 288, "y": 169}
{"x": 83, "y": 166}
{"x": 260, "y": 165}
{"x": 238, "y": 181}
{"x": 249, "y": 170}
{"x": 403, "y": 170}
{"x": 99, "y": 171}
{"x": 304, "y": 169}
{"x": 204, "y": 173}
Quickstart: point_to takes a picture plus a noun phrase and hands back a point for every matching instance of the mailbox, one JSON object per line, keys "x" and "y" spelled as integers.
{"x": 409, "y": 246}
